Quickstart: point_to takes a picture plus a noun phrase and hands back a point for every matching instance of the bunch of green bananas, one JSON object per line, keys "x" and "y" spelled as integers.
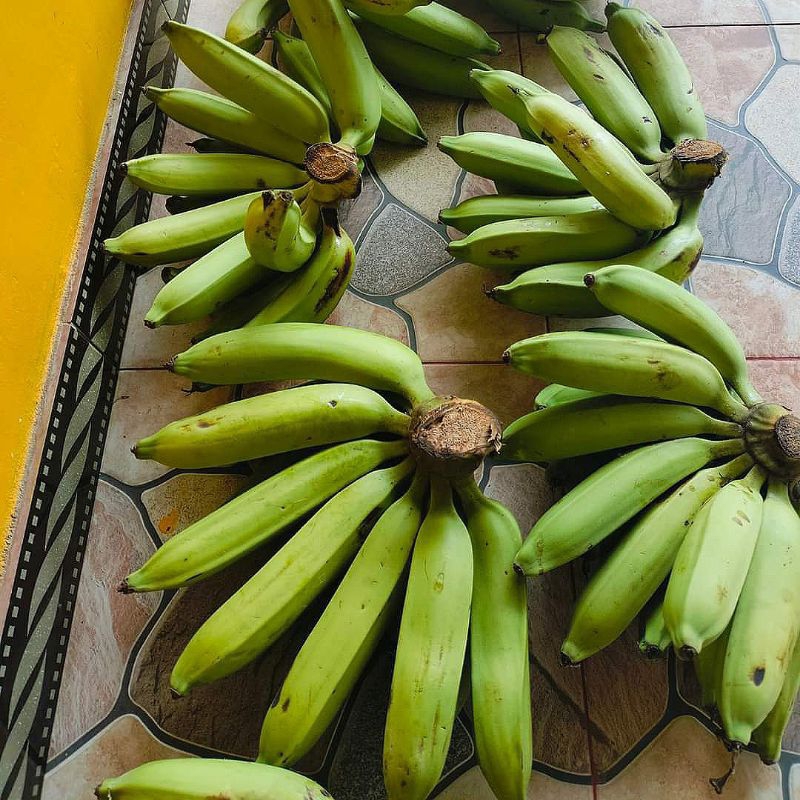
{"x": 377, "y": 493}
{"x": 620, "y": 182}
{"x": 696, "y": 495}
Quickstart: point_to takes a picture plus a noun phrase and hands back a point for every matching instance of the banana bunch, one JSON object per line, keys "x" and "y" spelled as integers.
{"x": 694, "y": 492}
{"x": 619, "y": 182}
{"x": 381, "y": 504}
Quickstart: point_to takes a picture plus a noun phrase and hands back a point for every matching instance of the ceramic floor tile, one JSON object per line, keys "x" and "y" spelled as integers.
{"x": 703, "y": 12}
{"x": 791, "y": 736}
{"x": 472, "y": 786}
{"x": 355, "y": 214}
{"x": 778, "y": 380}
{"x": 123, "y": 745}
{"x": 789, "y": 41}
{"x": 783, "y": 11}
{"x": 355, "y": 312}
{"x": 456, "y": 321}
{"x": 789, "y": 255}
{"x": 145, "y": 401}
{"x": 794, "y": 782}
{"x": 679, "y": 763}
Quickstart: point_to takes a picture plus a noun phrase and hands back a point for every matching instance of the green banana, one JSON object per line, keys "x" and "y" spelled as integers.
{"x": 518, "y": 243}
{"x": 240, "y": 526}
{"x": 658, "y": 304}
{"x": 214, "y": 279}
{"x": 708, "y": 665}
{"x": 556, "y": 393}
{"x": 412, "y": 64}
{"x": 207, "y": 145}
{"x": 641, "y": 561}
{"x": 221, "y": 119}
{"x": 305, "y": 350}
{"x": 239, "y": 311}
{"x": 190, "y": 234}
{"x": 263, "y": 608}
{"x": 499, "y": 668}
{"x": 658, "y": 70}
{"x": 175, "y": 204}
{"x": 250, "y": 82}
{"x": 602, "y": 164}
{"x": 614, "y": 364}
{"x": 766, "y": 623}
{"x": 711, "y": 565}
{"x": 499, "y": 87}
{"x": 394, "y": 7}
{"x": 251, "y": 22}
{"x": 768, "y": 736}
{"x": 430, "y": 652}
{"x": 280, "y": 233}
{"x": 475, "y": 212}
{"x": 526, "y": 166}
{"x": 345, "y": 68}
{"x": 605, "y": 423}
{"x": 351, "y": 625}
{"x": 201, "y": 778}
{"x": 278, "y": 422}
{"x": 608, "y": 92}
{"x": 297, "y": 62}
{"x": 612, "y": 495}
{"x": 541, "y": 15}
{"x": 655, "y": 639}
{"x": 433, "y": 25}
{"x": 210, "y": 173}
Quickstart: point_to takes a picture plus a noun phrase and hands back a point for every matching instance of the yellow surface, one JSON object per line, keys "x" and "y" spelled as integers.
{"x": 59, "y": 65}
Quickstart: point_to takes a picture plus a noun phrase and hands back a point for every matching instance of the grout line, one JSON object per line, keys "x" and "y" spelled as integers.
{"x": 765, "y": 24}
{"x": 773, "y": 358}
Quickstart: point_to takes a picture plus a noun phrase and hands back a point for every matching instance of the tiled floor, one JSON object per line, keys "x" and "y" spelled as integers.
{"x": 617, "y": 728}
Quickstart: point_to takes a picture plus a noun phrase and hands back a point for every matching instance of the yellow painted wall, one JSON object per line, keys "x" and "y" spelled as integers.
{"x": 59, "y": 65}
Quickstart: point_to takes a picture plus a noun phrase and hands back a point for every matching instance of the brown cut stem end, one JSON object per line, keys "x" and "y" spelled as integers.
{"x": 334, "y": 166}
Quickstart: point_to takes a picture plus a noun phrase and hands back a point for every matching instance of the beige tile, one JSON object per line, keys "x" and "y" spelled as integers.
{"x": 778, "y": 381}
{"x": 355, "y": 312}
{"x": 703, "y": 12}
{"x": 455, "y": 321}
{"x": 472, "y": 786}
{"x": 783, "y": 11}
{"x": 794, "y": 782}
{"x": 789, "y": 41}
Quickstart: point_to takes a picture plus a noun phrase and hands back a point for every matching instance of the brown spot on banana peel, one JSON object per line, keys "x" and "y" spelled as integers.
{"x": 511, "y": 253}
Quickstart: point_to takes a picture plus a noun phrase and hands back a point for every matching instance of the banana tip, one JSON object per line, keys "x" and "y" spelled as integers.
{"x": 518, "y": 569}
{"x": 565, "y": 660}
{"x": 177, "y": 693}
{"x": 123, "y": 587}
{"x": 170, "y": 365}
{"x": 589, "y": 279}
{"x": 148, "y": 323}
{"x": 507, "y": 360}
{"x": 686, "y": 652}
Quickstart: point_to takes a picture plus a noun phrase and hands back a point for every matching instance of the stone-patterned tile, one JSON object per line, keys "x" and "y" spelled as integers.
{"x": 671, "y": 13}
{"x": 355, "y": 312}
{"x": 145, "y": 401}
{"x": 183, "y": 499}
{"x": 794, "y": 782}
{"x": 741, "y": 296}
{"x": 456, "y": 321}
{"x": 789, "y": 256}
{"x": 777, "y": 380}
{"x": 106, "y": 624}
{"x": 789, "y": 41}
{"x": 679, "y": 763}
{"x": 472, "y": 786}
{"x": 354, "y": 214}
{"x": 506, "y": 391}
{"x": 741, "y": 212}
{"x": 727, "y": 64}
{"x": 398, "y": 251}
{"x": 123, "y": 745}
{"x": 538, "y": 66}
{"x": 772, "y": 119}
{"x": 522, "y": 488}
{"x": 146, "y": 347}
{"x": 783, "y": 11}
{"x": 791, "y": 739}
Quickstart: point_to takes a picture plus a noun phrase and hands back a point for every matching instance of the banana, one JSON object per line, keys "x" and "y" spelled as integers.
{"x": 206, "y": 145}
{"x": 433, "y": 25}
{"x": 602, "y": 164}
{"x": 240, "y": 526}
{"x": 394, "y": 7}
{"x": 210, "y": 173}
{"x": 430, "y": 652}
{"x": 190, "y": 234}
{"x": 278, "y": 422}
{"x": 711, "y": 565}
{"x": 197, "y": 290}
{"x": 475, "y": 212}
{"x": 518, "y": 243}
{"x": 345, "y": 68}
{"x": 608, "y": 92}
{"x": 641, "y": 561}
{"x": 525, "y": 166}
{"x": 541, "y": 15}
{"x": 266, "y": 605}
{"x": 612, "y": 495}
{"x": 708, "y": 664}
{"x": 655, "y": 639}
{"x": 175, "y": 204}
{"x": 614, "y": 364}
{"x": 305, "y": 350}
{"x": 250, "y": 82}
{"x": 766, "y": 623}
{"x": 221, "y": 119}
{"x": 499, "y": 668}
{"x": 200, "y": 778}
{"x": 297, "y": 62}
{"x": 658, "y": 304}
{"x": 555, "y": 393}
{"x": 351, "y": 625}
{"x": 252, "y": 20}
{"x": 768, "y": 736}
{"x": 595, "y": 424}
{"x": 658, "y": 70}
{"x": 499, "y": 87}
{"x": 412, "y": 64}
{"x": 279, "y": 233}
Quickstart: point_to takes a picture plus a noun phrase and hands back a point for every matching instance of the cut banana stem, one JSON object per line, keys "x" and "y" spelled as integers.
{"x": 279, "y": 422}
{"x": 541, "y": 15}
{"x": 655, "y": 640}
{"x": 611, "y": 496}
{"x": 266, "y": 605}
{"x": 692, "y": 165}
{"x": 251, "y": 519}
